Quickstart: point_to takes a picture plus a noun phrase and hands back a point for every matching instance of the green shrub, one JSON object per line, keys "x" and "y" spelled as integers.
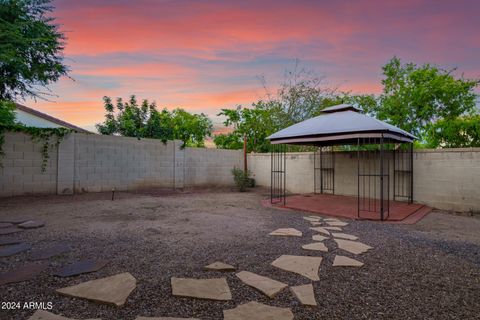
{"x": 242, "y": 179}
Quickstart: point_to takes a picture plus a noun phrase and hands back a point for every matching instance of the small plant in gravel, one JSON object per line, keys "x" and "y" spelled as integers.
{"x": 242, "y": 179}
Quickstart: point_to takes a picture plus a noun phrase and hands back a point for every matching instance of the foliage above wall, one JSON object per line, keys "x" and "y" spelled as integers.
{"x": 130, "y": 119}
{"x": 427, "y": 101}
{"x": 46, "y": 136}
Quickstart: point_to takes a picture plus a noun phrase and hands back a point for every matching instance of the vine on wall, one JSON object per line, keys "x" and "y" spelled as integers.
{"x": 38, "y": 135}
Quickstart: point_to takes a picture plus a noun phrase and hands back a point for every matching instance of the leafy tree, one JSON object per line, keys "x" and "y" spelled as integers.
{"x": 191, "y": 128}
{"x": 31, "y": 48}
{"x": 7, "y": 116}
{"x": 230, "y": 140}
{"x": 143, "y": 120}
{"x": 301, "y": 95}
{"x": 256, "y": 123}
{"x": 369, "y": 103}
{"x": 460, "y": 132}
{"x": 415, "y": 97}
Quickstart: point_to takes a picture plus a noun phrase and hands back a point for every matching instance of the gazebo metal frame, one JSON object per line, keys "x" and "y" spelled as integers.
{"x": 382, "y": 153}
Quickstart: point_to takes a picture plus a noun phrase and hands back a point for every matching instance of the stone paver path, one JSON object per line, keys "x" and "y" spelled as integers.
{"x": 257, "y": 311}
{"x": 344, "y": 236}
{"x": 79, "y": 267}
{"x": 331, "y": 219}
{"x": 7, "y": 241}
{"x": 318, "y": 237}
{"x": 5, "y": 231}
{"x": 321, "y": 230}
{"x": 23, "y": 273}
{"x": 112, "y": 290}
{"x": 316, "y": 246}
{"x": 164, "y": 318}
{"x": 303, "y": 265}
{"x": 14, "y": 249}
{"x": 16, "y": 220}
{"x": 49, "y": 252}
{"x": 31, "y": 224}
{"x": 312, "y": 219}
{"x": 267, "y": 286}
{"x": 212, "y": 289}
{"x": 292, "y": 232}
{"x": 219, "y": 266}
{"x": 304, "y": 294}
{"x": 337, "y": 223}
{"x": 333, "y": 228}
{"x": 352, "y": 246}
{"x": 342, "y": 261}
{"x": 45, "y": 315}
{"x": 6, "y": 225}
{"x": 315, "y": 224}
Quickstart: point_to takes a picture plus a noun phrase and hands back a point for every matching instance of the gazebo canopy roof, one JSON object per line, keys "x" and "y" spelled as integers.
{"x": 338, "y": 125}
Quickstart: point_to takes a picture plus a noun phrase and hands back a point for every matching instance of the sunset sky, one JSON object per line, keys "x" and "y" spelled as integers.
{"x": 207, "y": 55}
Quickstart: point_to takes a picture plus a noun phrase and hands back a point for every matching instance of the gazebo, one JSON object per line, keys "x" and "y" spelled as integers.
{"x": 382, "y": 151}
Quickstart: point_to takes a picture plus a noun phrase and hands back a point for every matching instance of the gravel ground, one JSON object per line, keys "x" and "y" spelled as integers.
{"x": 412, "y": 272}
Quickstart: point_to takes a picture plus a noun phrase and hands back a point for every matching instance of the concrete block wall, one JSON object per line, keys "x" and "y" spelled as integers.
{"x": 211, "y": 167}
{"x": 21, "y": 170}
{"x": 103, "y": 163}
{"x": 92, "y": 163}
{"x": 448, "y": 179}
{"x": 445, "y": 179}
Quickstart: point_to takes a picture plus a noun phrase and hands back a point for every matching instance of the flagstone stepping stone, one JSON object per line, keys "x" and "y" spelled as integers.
{"x": 321, "y": 230}
{"x": 31, "y": 224}
{"x": 344, "y": 236}
{"x": 304, "y": 294}
{"x": 45, "y": 315}
{"x": 213, "y": 289}
{"x": 164, "y": 318}
{"x": 14, "y": 249}
{"x": 79, "y": 267}
{"x": 7, "y": 241}
{"x": 331, "y": 219}
{"x": 316, "y": 246}
{"x": 6, "y": 225}
{"x": 318, "y": 237}
{"x": 292, "y": 232}
{"x": 219, "y": 266}
{"x": 52, "y": 251}
{"x": 23, "y": 273}
{"x": 352, "y": 246}
{"x": 112, "y": 290}
{"x": 337, "y": 223}
{"x": 4, "y": 231}
{"x": 333, "y": 228}
{"x": 303, "y": 265}
{"x": 342, "y": 261}
{"x": 315, "y": 224}
{"x": 267, "y": 286}
{"x": 312, "y": 219}
{"x": 257, "y": 311}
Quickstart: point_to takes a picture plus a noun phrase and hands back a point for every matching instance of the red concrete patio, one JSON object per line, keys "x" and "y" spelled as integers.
{"x": 347, "y": 207}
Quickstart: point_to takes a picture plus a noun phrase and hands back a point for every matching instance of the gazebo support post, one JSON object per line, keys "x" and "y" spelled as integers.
{"x": 278, "y": 164}
{"x": 321, "y": 170}
{"x": 381, "y": 180}
{"x": 358, "y": 178}
{"x": 411, "y": 173}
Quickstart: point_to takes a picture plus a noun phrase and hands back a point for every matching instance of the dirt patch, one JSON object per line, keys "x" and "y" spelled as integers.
{"x": 447, "y": 226}
{"x": 428, "y": 270}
